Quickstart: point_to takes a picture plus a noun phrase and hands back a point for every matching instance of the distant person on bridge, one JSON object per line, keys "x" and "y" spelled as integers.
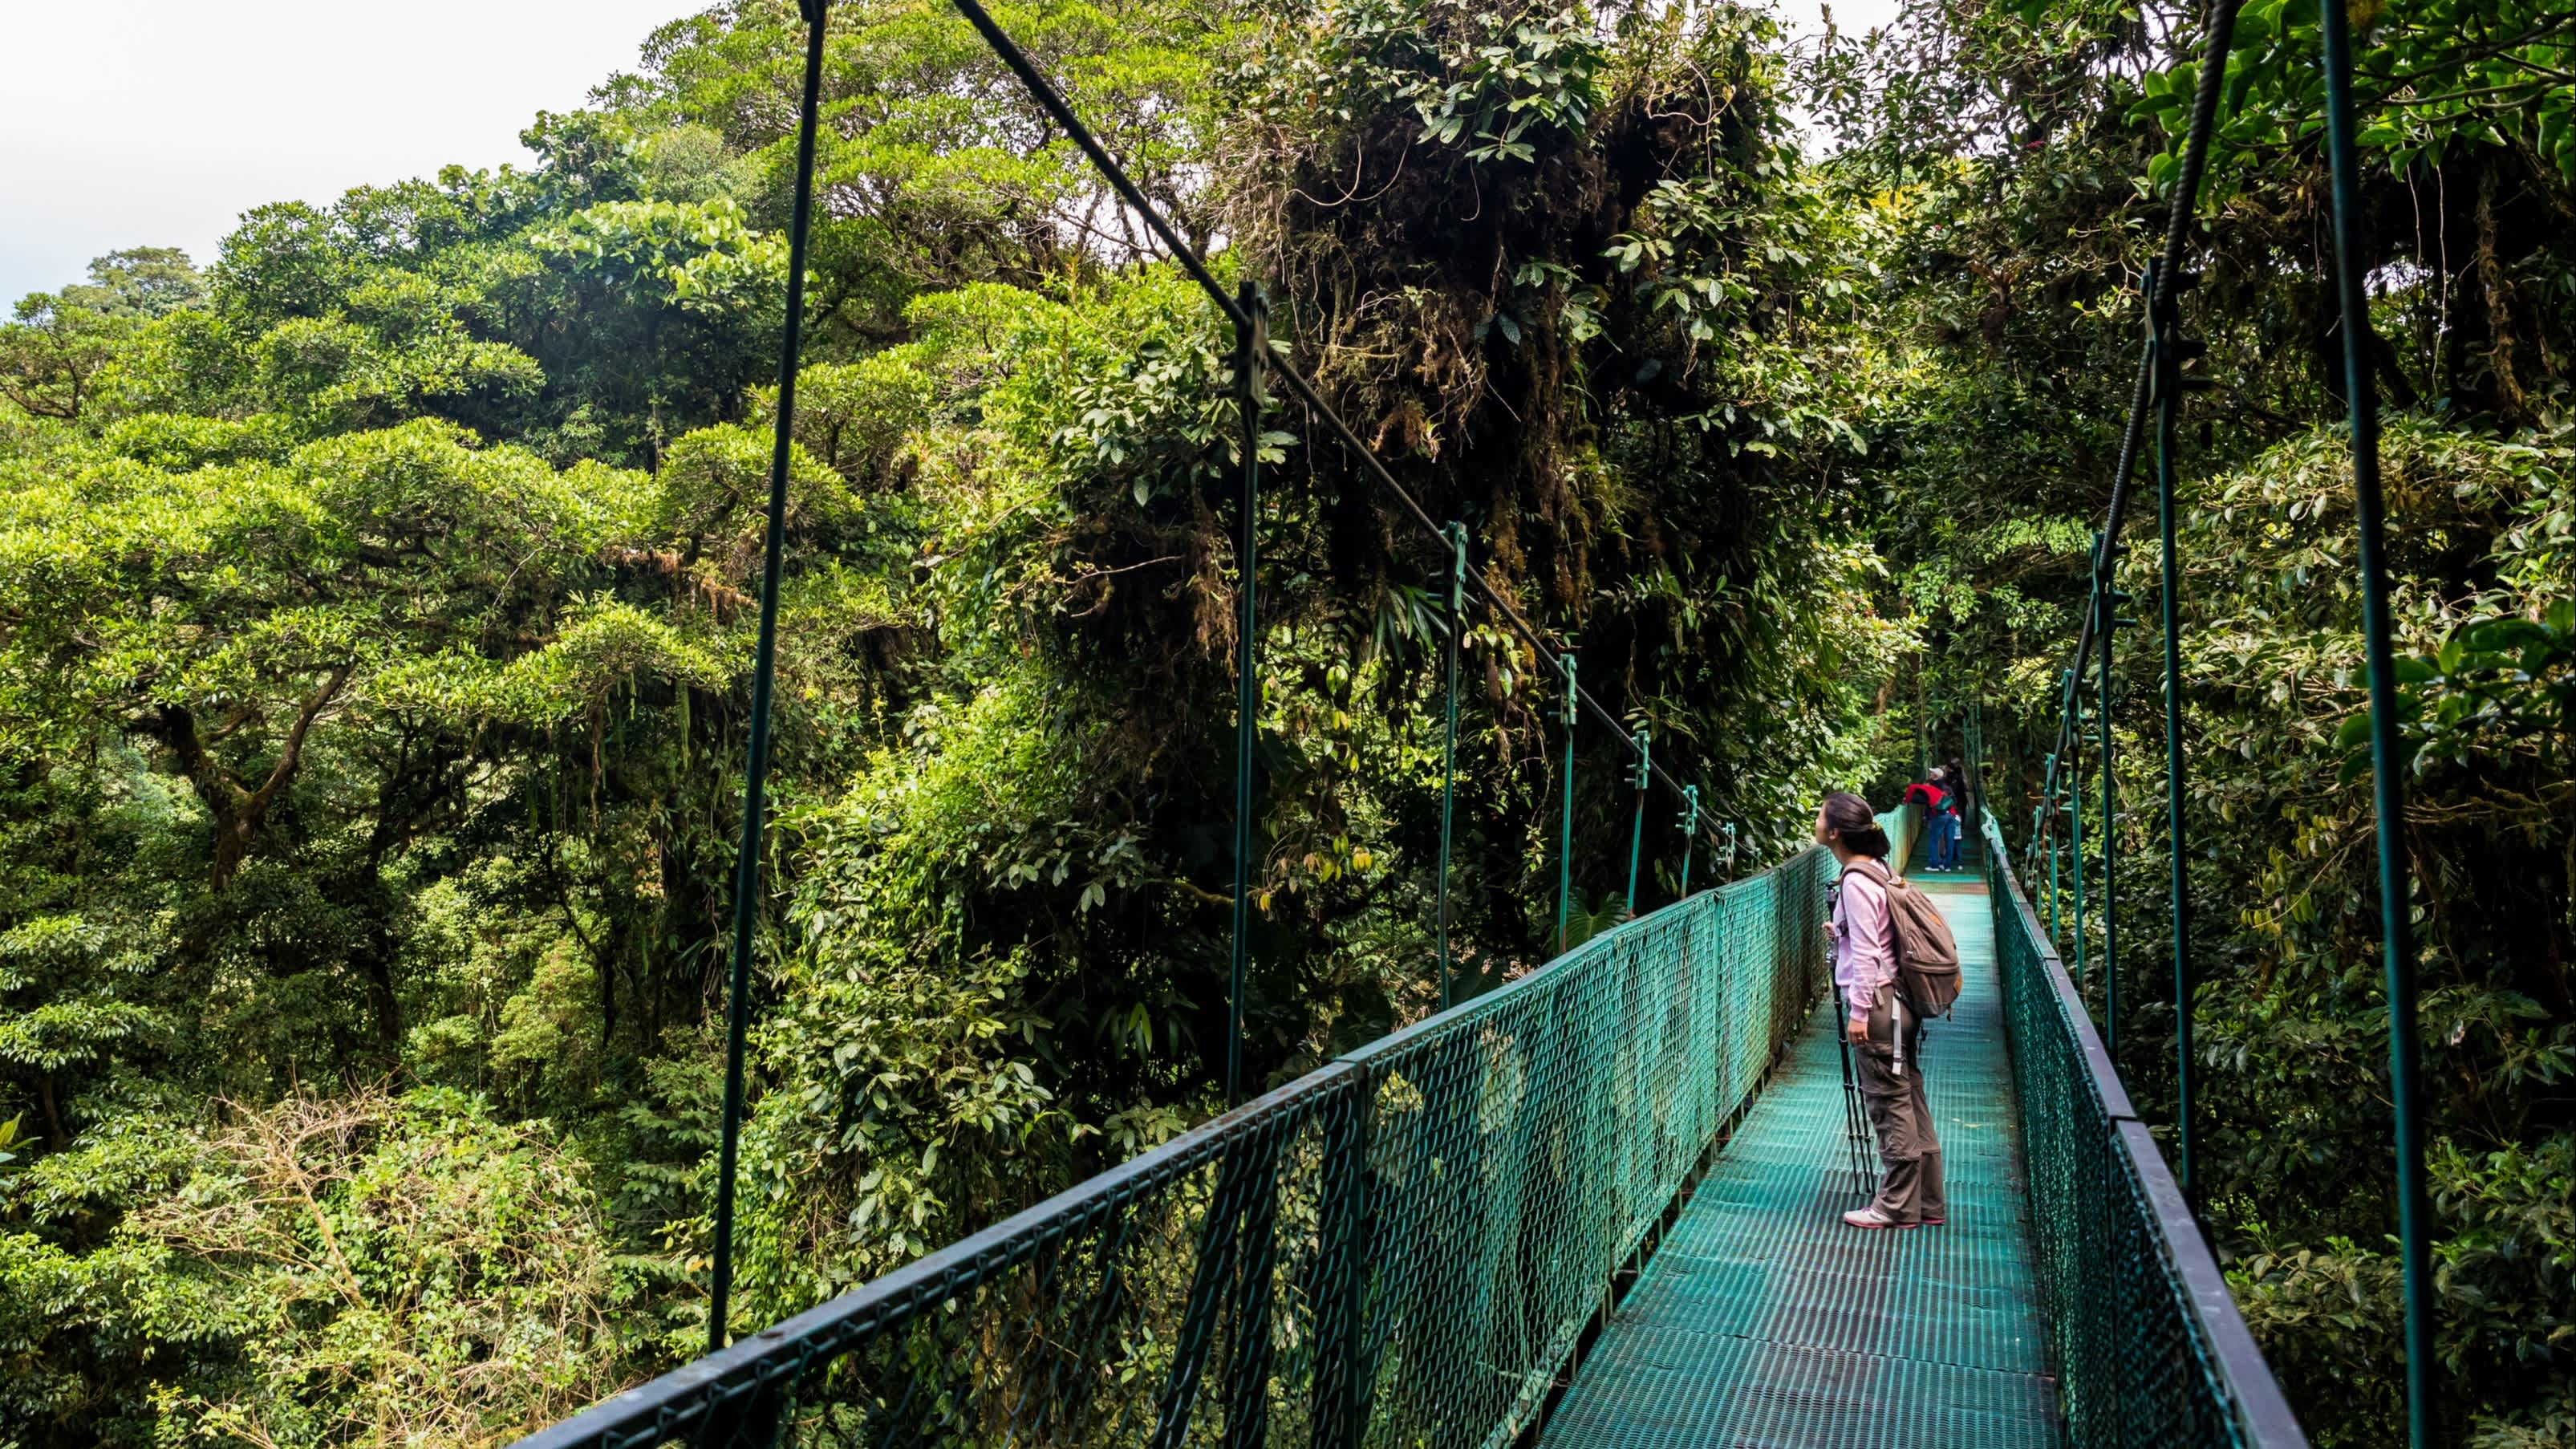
{"x": 1945, "y": 820}
{"x": 1940, "y": 801}
{"x": 1887, "y": 1039}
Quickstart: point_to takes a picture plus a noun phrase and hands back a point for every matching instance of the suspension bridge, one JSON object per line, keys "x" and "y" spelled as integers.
{"x": 1600, "y": 1205}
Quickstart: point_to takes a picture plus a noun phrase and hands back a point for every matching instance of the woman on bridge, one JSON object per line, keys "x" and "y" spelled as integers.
{"x": 1886, "y": 1037}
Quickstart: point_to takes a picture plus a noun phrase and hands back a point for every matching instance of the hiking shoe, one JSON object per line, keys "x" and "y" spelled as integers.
{"x": 1871, "y": 1217}
{"x": 1935, "y": 1222}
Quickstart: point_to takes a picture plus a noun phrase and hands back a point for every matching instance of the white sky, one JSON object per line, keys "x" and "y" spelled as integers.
{"x": 157, "y": 122}
{"x": 1804, "y": 17}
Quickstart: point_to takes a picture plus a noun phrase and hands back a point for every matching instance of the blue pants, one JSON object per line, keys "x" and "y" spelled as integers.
{"x": 1945, "y": 841}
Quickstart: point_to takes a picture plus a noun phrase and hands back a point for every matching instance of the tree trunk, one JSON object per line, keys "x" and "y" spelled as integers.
{"x": 239, "y": 812}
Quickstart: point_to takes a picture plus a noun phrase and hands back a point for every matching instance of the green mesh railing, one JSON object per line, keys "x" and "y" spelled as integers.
{"x": 2150, "y": 1347}
{"x": 1406, "y": 1247}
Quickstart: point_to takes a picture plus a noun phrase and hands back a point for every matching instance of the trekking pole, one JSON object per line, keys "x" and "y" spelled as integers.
{"x": 1855, "y": 1119}
{"x": 1857, "y": 1144}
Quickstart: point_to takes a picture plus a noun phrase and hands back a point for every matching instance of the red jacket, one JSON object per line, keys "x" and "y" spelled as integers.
{"x": 1928, "y": 794}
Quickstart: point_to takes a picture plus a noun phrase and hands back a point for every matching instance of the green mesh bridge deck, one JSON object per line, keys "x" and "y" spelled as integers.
{"x": 1763, "y": 1322}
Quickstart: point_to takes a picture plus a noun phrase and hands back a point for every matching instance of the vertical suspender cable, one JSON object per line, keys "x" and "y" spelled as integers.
{"x": 764, "y": 670}
{"x": 1968, "y": 761}
{"x": 2048, "y": 812}
{"x": 1251, "y": 347}
{"x": 1690, "y": 833}
{"x": 2164, "y": 312}
{"x": 2075, "y": 822}
{"x": 2110, "y": 838}
{"x": 1925, "y": 731}
{"x": 2036, "y": 840}
{"x": 1565, "y": 832}
{"x": 2075, "y": 852}
{"x": 2386, "y": 752}
{"x": 2043, "y": 836}
{"x": 1637, "y": 827}
{"x": 1449, "y": 735}
{"x": 1923, "y": 705}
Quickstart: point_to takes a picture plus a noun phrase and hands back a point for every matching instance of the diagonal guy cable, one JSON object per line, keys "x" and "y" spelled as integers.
{"x": 1045, "y": 94}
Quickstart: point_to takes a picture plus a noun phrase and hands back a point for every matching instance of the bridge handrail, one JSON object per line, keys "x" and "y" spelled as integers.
{"x": 1411, "y": 1241}
{"x": 2151, "y": 1348}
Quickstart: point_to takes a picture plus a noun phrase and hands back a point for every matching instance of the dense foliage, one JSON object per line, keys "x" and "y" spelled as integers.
{"x": 375, "y": 628}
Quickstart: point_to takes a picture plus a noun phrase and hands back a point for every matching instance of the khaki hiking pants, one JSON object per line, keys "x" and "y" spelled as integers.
{"x": 1909, "y": 1186}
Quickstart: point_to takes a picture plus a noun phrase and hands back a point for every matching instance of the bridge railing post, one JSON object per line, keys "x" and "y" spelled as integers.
{"x": 1690, "y": 834}
{"x": 1565, "y": 831}
{"x": 1644, "y": 745}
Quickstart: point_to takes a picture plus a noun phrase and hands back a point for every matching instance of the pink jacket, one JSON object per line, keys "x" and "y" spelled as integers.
{"x": 1864, "y": 941}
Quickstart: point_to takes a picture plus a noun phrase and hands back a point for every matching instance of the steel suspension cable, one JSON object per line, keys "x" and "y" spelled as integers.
{"x": 764, "y": 671}
{"x": 2109, "y": 597}
{"x": 2169, "y": 355}
{"x": 1457, "y": 611}
{"x": 1251, "y": 341}
{"x": 1565, "y": 834}
{"x": 2071, "y": 788}
{"x": 2044, "y": 814}
{"x": 2387, "y": 761}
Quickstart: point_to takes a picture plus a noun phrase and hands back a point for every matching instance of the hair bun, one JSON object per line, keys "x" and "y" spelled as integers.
{"x": 1857, "y": 824}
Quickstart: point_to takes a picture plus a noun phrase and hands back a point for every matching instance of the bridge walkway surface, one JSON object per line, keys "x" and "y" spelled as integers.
{"x": 1763, "y": 1322}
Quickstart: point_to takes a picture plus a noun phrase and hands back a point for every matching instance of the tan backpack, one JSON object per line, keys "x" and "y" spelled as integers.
{"x": 1927, "y": 955}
